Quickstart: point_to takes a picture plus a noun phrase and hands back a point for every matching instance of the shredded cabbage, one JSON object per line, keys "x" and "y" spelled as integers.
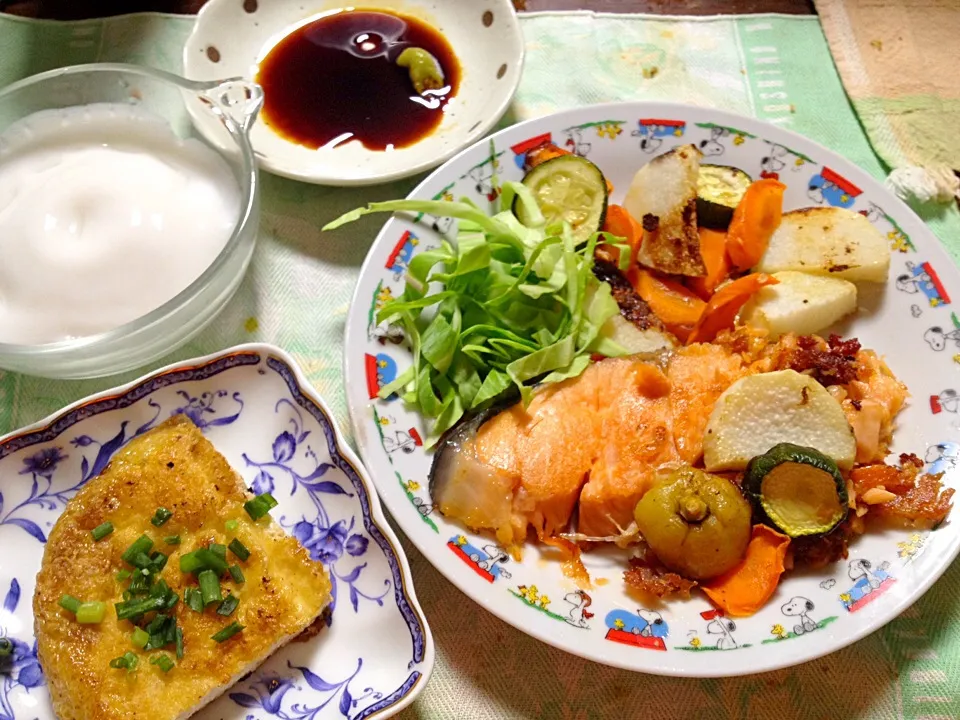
{"x": 503, "y": 308}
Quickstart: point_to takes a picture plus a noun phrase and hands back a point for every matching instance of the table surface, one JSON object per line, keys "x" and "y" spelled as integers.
{"x": 77, "y": 9}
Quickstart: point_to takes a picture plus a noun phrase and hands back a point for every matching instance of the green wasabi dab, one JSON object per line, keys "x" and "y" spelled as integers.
{"x": 425, "y": 71}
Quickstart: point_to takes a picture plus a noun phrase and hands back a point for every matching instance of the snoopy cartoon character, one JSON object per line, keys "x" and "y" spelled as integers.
{"x": 800, "y": 608}
{"x": 772, "y": 164}
{"x": 655, "y": 624}
{"x": 724, "y": 627}
{"x": 713, "y": 146}
{"x": 937, "y": 338}
{"x": 575, "y": 143}
{"x": 494, "y": 555}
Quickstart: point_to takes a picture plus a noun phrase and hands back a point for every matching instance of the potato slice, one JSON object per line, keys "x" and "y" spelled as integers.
{"x": 760, "y": 411}
{"x": 828, "y": 241}
{"x": 663, "y": 198}
{"x": 800, "y": 303}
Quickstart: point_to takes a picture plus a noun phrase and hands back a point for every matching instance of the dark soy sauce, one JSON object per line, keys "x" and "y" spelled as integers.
{"x": 336, "y": 80}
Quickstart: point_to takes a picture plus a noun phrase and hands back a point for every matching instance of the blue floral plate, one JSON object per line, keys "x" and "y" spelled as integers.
{"x": 259, "y": 410}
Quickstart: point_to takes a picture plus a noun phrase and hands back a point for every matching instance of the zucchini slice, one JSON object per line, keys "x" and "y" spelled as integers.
{"x": 719, "y": 190}
{"x": 571, "y": 188}
{"x": 798, "y": 490}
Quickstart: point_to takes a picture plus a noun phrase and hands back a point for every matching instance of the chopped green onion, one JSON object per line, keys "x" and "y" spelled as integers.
{"x": 6, "y": 647}
{"x": 158, "y": 561}
{"x": 172, "y": 540}
{"x": 91, "y": 613}
{"x": 142, "y": 545}
{"x": 219, "y": 550}
{"x": 101, "y": 531}
{"x": 69, "y": 602}
{"x": 163, "y": 662}
{"x": 141, "y": 561}
{"x": 202, "y": 559}
{"x": 237, "y": 574}
{"x": 162, "y": 631}
{"x": 123, "y": 575}
{"x": 139, "y": 637}
{"x": 127, "y": 661}
{"x": 209, "y": 587}
{"x": 260, "y": 505}
{"x": 178, "y": 641}
{"x": 193, "y": 599}
{"x": 228, "y": 632}
{"x": 160, "y": 516}
{"x": 231, "y": 525}
{"x": 132, "y": 609}
{"x": 228, "y": 605}
{"x": 212, "y": 560}
{"x": 139, "y": 584}
{"x": 239, "y": 549}
{"x": 190, "y": 563}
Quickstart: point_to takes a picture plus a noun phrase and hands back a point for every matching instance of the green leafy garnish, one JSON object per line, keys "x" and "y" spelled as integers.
{"x": 503, "y": 308}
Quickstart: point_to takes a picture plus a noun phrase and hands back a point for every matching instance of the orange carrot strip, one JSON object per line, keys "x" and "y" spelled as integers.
{"x": 721, "y": 312}
{"x": 713, "y": 248}
{"x": 621, "y": 223}
{"x": 868, "y": 476}
{"x": 670, "y": 301}
{"x": 541, "y": 153}
{"x": 754, "y": 222}
{"x": 747, "y": 587}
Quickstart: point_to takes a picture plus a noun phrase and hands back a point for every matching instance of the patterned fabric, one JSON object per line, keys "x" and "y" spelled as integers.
{"x": 897, "y": 60}
{"x": 297, "y": 291}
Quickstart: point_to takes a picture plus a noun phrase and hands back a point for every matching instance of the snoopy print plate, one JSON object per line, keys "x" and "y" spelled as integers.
{"x": 252, "y": 402}
{"x": 911, "y": 321}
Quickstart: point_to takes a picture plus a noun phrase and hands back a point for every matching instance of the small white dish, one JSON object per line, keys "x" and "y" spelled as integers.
{"x": 259, "y": 410}
{"x": 231, "y": 38}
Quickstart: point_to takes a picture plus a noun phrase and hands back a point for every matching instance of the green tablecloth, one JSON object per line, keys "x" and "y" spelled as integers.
{"x": 296, "y": 294}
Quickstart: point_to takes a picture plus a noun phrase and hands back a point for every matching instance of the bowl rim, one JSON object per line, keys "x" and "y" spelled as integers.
{"x": 249, "y": 191}
{"x": 307, "y": 174}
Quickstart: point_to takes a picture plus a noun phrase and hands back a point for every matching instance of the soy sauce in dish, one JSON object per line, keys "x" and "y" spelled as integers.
{"x": 336, "y": 80}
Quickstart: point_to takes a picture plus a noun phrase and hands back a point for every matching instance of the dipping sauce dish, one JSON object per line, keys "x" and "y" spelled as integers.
{"x": 477, "y": 43}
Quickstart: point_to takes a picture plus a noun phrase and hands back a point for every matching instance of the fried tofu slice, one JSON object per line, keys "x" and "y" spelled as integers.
{"x": 176, "y": 467}
{"x": 663, "y": 197}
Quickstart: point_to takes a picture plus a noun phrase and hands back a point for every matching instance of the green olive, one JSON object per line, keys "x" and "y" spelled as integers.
{"x": 697, "y": 524}
{"x": 425, "y": 71}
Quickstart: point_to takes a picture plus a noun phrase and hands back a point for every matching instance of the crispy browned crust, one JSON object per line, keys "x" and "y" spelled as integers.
{"x": 172, "y": 466}
{"x": 671, "y": 244}
{"x": 633, "y": 307}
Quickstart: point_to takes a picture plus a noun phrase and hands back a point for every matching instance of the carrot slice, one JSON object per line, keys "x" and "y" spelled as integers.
{"x": 754, "y": 221}
{"x": 713, "y": 248}
{"x": 721, "y": 311}
{"x": 670, "y": 301}
{"x": 747, "y": 587}
{"x": 621, "y": 223}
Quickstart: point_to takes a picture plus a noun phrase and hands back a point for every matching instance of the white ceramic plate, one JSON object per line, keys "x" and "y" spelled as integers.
{"x": 231, "y": 38}
{"x": 911, "y": 321}
{"x": 259, "y": 410}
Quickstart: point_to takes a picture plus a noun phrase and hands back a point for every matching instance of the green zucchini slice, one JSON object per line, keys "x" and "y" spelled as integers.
{"x": 798, "y": 490}
{"x": 719, "y": 190}
{"x": 571, "y": 188}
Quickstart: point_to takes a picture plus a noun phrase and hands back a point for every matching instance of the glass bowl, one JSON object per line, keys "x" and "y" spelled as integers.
{"x": 226, "y": 110}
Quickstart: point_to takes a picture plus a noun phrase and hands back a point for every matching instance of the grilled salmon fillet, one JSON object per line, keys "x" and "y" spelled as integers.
{"x": 175, "y": 467}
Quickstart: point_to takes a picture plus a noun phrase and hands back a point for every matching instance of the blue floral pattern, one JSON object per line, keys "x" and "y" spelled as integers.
{"x": 334, "y": 543}
{"x": 20, "y": 668}
{"x": 324, "y": 503}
